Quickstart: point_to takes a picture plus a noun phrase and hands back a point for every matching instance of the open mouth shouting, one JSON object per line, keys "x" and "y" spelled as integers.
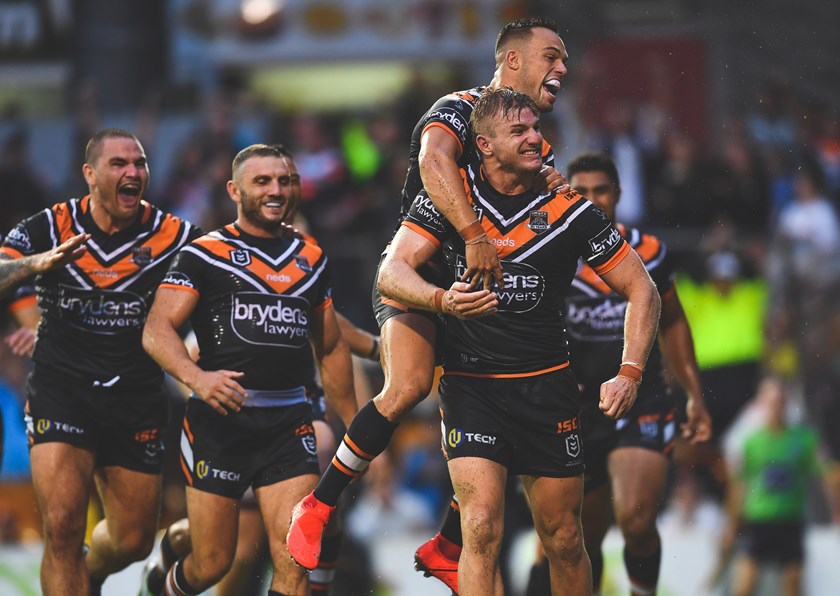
{"x": 129, "y": 193}
{"x": 552, "y": 87}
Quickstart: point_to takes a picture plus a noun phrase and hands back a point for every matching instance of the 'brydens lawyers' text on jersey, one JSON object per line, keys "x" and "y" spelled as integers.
{"x": 595, "y": 315}
{"x": 539, "y": 239}
{"x": 94, "y": 308}
{"x": 256, "y": 296}
{"x": 452, "y": 113}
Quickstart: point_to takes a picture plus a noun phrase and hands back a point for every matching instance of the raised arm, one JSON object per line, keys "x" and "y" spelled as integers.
{"x": 333, "y": 357}
{"x": 631, "y": 280}
{"x": 170, "y": 310}
{"x": 14, "y": 272}
{"x": 399, "y": 280}
{"x": 439, "y": 153}
{"x": 678, "y": 351}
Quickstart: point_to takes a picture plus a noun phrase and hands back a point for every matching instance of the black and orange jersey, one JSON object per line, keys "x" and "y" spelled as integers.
{"x": 595, "y": 315}
{"x": 256, "y": 296}
{"x": 452, "y": 113}
{"x": 539, "y": 238}
{"x": 93, "y": 309}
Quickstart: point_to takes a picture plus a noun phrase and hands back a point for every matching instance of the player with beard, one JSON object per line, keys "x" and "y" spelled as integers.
{"x": 96, "y": 406}
{"x": 258, "y": 297}
{"x": 531, "y": 58}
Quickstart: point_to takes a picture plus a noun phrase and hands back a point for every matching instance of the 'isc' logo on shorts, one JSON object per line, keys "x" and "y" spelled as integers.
{"x": 565, "y": 426}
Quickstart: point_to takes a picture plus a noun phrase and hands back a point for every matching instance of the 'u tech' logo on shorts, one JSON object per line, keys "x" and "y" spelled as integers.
{"x": 202, "y": 469}
{"x": 43, "y": 426}
{"x": 456, "y": 436}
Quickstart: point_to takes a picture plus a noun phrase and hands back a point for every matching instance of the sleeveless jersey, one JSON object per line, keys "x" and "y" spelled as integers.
{"x": 256, "y": 296}
{"x": 539, "y": 238}
{"x": 93, "y": 309}
{"x": 595, "y": 316}
{"x": 452, "y": 113}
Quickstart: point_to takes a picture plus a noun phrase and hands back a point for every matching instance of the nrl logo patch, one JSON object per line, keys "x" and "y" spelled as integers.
{"x": 538, "y": 222}
{"x": 141, "y": 255}
{"x": 573, "y": 445}
{"x": 240, "y": 257}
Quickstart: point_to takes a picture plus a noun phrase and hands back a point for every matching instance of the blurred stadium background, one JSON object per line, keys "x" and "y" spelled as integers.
{"x": 722, "y": 116}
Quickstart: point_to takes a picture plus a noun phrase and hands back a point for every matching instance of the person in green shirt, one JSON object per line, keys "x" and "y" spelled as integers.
{"x": 766, "y": 503}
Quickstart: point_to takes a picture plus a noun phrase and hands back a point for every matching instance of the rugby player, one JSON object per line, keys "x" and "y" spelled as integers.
{"x": 627, "y": 459}
{"x": 509, "y": 401}
{"x": 530, "y": 57}
{"x": 96, "y": 406}
{"x": 257, "y": 295}
{"x": 176, "y": 541}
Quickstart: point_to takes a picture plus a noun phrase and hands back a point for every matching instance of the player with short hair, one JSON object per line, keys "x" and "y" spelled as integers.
{"x": 258, "y": 296}
{"x": 96, "y": 406}
{"x": 530, "y": 57}
{"x": 509, "y": 401}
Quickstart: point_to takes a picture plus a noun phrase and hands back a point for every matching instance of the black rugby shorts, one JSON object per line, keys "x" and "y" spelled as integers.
{"x": 649, "y": 424}
{"x": 122, "y": 428}
{"x": 224, "y": 455}
{"x": 530, "y": 425}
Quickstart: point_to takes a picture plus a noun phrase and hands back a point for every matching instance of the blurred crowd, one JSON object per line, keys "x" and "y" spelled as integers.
{"x": 750, "y": 215}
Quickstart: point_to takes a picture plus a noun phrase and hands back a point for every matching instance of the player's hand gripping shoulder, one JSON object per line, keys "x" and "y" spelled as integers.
{"x": 482, "y": 258}
{"x": 461, "y": 301}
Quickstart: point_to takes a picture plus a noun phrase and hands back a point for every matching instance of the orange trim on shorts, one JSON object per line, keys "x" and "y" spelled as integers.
{"x": 186, "y": 471}
{"x": 447, "y": 129}
{"x": 614, "y": 260}
{"x": 507, "y": 375}
{"x": 393, "y": 303}
{"x": 188, "y": 431}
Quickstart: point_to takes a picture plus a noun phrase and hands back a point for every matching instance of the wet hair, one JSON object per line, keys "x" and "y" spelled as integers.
{"x": 521, "y": 29}
{"x": 503, "y": 100}
{"x": 95, "y": 143}
{"x": 259, "y": 150}
{"x": 593, "y": 162}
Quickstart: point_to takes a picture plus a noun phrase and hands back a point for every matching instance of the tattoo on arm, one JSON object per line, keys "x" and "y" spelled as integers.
{"x": 13, "y": 272}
